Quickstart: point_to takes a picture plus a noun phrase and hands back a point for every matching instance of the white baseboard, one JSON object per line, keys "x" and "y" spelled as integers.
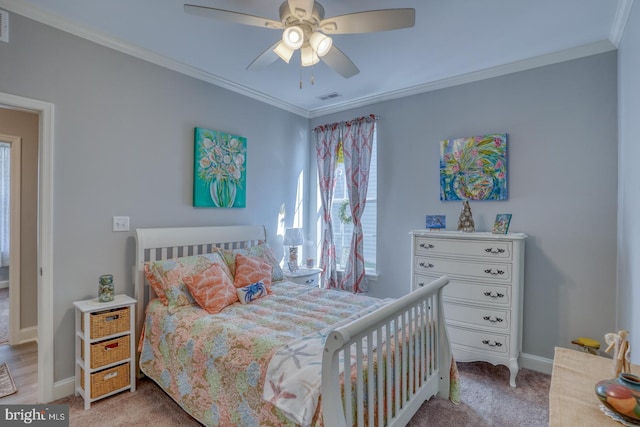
{"x": 28, "y": 334}
{"x": 536, "y": 363}
{"x": 64, "y": 388}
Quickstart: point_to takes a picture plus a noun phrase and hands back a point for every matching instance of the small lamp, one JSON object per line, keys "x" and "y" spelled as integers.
{"x": 293, "y": 238}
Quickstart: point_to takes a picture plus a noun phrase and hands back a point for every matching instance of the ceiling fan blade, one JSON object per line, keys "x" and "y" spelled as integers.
{"x": 301, "y": 9}
{"x": 229, "y": 16}
{"x": 265, "y": 59}
{"x": 369, "y": 21}
{"x": 340, "y": 63}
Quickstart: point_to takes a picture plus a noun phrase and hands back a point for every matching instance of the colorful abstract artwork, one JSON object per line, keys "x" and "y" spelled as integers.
{"x": 474, "y": 168}
{"x": 219, "y": 169}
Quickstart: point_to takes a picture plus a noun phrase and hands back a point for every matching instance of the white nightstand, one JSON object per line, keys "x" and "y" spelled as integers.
{"x": 105, "y": 347}
{"x": 304, "y": 276}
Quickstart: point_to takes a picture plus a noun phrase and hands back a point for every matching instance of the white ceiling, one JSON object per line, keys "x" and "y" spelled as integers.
{"x": 453, "y": 41}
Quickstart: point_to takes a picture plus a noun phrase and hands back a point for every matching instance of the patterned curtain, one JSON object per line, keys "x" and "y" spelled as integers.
{"x": 5, "y": 173}
{"x": 327, "y": 140}
{"x": 357, "y": 145}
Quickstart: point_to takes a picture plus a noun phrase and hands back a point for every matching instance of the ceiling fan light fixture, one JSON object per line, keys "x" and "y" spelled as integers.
{"x": 293, "y": 37}
{"x": 283, "y": 52}
{"x": 320, "y": 43}
{"x": 308, "y": 56}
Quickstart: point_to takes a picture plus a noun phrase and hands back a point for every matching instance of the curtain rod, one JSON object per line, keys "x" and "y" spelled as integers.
{"x": 346, "y": 122}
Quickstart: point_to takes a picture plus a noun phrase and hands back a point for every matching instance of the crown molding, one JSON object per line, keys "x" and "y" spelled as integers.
{"x": 500, "y": 70}
{"x": 619, "y": 21}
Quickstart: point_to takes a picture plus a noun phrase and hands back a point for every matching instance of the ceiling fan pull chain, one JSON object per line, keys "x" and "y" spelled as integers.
{"x": 313, "y": 79}
{"x": 301, "y": 79}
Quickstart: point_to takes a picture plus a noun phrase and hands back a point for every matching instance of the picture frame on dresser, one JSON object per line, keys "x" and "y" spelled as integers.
{"x": 501, "y": 224}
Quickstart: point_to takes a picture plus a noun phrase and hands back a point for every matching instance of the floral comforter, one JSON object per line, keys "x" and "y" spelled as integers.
{"x": 214, "y": 366}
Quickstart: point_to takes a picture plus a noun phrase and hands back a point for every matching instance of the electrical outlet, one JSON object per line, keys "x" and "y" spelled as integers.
{"x": 120, "y": 223}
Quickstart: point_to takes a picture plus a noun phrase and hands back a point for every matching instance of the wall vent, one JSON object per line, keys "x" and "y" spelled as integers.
{"x": 4, "y": 26}
{"x": 328, "y": 96}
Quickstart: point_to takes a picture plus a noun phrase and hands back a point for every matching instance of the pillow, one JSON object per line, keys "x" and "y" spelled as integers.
{"x": 251, "y": 270}
{"x": 212, "y": 289}
{"x": 261, "y": 250}
{"x": 252, "y": 292}
{"x": 166, "y": 277}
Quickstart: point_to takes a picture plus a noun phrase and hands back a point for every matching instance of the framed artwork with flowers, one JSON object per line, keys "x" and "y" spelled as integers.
{"x": 219, "y": 169}
{"x": 474, "y": 168}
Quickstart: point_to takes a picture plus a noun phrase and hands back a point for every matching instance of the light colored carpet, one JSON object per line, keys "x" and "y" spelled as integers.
{"x": 487, "y": 401}
{"x": 4, "y": 315}
{"x": 7, "y": 386}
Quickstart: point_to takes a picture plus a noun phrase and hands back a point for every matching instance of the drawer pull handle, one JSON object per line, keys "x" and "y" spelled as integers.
{"x": 112, "y": 318}
{"x": 493, "y": 320}
{"x": 490, "y": 344}
{"x": 494, "y": 273}
{"x": 111, "y": 346}
{"x": 420, "y": 284}
{"x": 426, "y": 265}
{"x": 426, "y": 246}
{"x": 309, "y": 281}
{"x": 111, "y": 375}
{"x": 495, "y": 251}
{"x": 493, "y": 295}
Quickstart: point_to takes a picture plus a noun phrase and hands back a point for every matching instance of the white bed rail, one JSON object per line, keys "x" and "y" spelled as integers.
{"x": 413, "y": 358}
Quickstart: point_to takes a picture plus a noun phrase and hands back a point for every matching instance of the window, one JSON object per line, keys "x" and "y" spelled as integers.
{"x": 340, "y": 211}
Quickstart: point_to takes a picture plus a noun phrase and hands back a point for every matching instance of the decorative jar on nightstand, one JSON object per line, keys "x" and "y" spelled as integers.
{"x": 304, "y": 276}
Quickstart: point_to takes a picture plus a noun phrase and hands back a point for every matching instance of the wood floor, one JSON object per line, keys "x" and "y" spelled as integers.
{"x": 23, "y": 364}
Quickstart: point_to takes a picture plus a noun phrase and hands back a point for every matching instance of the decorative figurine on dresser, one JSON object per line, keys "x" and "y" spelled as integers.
{"x": 465, "y": 222}
{"x": 483, "y": 300}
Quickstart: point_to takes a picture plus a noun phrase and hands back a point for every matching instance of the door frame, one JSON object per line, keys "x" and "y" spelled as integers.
{"x": 14, "y": 236}
{"x": 45, "y": 111}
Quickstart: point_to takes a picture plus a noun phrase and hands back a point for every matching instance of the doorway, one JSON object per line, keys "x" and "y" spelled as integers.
{"x": 10, "y": 185}
{"x": 44, "y": 234}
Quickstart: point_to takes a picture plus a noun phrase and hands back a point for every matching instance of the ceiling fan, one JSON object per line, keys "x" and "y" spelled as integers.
{"x": 305, "y": 27}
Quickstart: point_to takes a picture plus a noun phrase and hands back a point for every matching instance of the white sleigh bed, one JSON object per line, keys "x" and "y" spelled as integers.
{"x": 401, "y": 350}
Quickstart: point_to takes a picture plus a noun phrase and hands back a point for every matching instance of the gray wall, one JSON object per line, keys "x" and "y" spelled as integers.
{"x": 629, "y": 185}
{"x": 562, "y": 163}
{"x": 124, "y": 146}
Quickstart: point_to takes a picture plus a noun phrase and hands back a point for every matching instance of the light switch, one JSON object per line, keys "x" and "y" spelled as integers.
{"x": 120, "y": 223}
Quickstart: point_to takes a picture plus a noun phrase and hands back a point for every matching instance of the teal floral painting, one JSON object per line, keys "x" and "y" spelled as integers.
{"x": 474, "y": 168}
{"x": 219, "y": 169}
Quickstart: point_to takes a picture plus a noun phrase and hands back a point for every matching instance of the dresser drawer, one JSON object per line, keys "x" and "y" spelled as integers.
{"x": 495, "y": 343}
{"x": 464, "y": 248}
{"x": 474, "y": 317}
{"x": 498, "y": 295}
{"x": 496, "y": 272}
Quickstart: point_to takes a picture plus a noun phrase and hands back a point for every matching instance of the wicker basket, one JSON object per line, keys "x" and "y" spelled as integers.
{"x": 107, "y": 380}
{"x": 108, "y": 322}
{"x": 107, "y": 352}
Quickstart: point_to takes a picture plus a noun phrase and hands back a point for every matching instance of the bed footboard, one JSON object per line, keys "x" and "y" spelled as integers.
{"x": 402, "y": 358}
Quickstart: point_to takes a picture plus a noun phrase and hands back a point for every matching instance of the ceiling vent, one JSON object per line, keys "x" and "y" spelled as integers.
{"x": 328, "y": 96}
{"x": 4, "y": 26}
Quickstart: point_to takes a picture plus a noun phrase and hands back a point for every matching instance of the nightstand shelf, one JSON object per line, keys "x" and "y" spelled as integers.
{"x": 105, "y": 348}
{"x": 304, "y": 276}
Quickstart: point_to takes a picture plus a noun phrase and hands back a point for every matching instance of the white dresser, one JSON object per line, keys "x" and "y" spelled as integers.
{"x": 483, "y": 300}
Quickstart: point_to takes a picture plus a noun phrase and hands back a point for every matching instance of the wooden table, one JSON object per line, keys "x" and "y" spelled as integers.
{"x": 572, "y": 398}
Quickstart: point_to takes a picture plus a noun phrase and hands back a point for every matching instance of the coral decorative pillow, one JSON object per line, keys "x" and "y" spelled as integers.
{"x": 212, "y": 289}
{"x": 252, "y": 292}
{"x": 166, "y": 277}
{"x": 263, "y": 251}
{"x": 251, "y": 270}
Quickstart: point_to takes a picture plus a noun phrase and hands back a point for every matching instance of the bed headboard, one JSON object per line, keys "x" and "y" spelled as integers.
{"x": 155, "y": 244}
